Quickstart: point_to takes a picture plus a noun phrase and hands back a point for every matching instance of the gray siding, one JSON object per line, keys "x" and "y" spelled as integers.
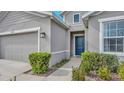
{"x": 20, "y": 20}
{"x": 59, "y": 37}
{"x": 69, "y": 17}
{"x": 58, "y": 42}
{"x": 69, "y": 21}
{"x": 94, "y": 28}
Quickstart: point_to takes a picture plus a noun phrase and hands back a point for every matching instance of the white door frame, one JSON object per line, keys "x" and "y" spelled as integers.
{"x": 74, "y": 42}
{"x": 35, "y": 29}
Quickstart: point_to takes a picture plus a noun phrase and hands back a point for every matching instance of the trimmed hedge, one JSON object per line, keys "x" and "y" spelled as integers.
{"x": 39, "y": 62}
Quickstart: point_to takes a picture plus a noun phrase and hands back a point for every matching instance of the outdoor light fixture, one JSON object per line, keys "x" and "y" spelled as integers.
{"x": 42, "y": 34}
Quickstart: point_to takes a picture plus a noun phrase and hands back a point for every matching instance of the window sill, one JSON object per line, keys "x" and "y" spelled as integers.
{"x": 115, "y": 53}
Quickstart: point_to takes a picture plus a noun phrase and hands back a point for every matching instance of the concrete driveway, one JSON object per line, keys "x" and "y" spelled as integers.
{"x": 9, "y": 69}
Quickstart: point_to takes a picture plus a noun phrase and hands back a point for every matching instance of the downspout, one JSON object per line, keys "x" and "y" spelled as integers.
{"x": 39, "y": 40}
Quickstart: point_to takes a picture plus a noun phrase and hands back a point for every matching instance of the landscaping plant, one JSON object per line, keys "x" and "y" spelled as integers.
{"x": 39, "y": 62}
{"x": 97, "y": 60}
{"x": 104, "y": 73}
{"x": 85, "y": 66}
{"x": 111, "y": 61}
{"x": 102, "y": 64}
{"x": 93, "y": 58}
{"x": 121, "y": 71}
{"x": 77, "y": 74}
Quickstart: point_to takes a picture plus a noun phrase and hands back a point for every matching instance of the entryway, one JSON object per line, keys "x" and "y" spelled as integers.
{"x": 78, "y": 44}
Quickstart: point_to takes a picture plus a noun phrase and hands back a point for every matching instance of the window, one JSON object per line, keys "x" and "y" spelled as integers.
{"x": 76, "y": 18}
{"x": 113, "y": 36}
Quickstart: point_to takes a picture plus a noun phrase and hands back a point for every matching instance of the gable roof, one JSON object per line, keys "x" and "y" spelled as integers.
{"x": 64, "y": 12}
{"x": 86, "y": 16}
{"x": 49, "y": 14}
{"x": 40, "y": 14}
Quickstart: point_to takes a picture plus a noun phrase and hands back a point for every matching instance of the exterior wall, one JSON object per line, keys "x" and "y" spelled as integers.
{"x": 94, "y": 29}
{"x": 59, "y": 37}
{"x": 21, "y": 20}
{"x": 69, "y": 20}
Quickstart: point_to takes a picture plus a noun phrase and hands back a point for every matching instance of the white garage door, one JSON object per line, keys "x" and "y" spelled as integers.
{"x": 18, "y": 46}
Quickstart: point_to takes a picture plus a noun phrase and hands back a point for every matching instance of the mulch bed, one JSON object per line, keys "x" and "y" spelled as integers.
{"x": 94, "y": 77}
{"x": 50, "y": 71}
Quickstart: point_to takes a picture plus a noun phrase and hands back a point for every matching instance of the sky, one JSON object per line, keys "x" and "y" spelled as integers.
{"x": 57, "y": 14}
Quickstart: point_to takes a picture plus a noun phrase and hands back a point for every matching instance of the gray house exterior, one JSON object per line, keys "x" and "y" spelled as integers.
{"x": 24, "y": 32}
{"x": 103, "y": 31}
{"x": 20, "y": 35}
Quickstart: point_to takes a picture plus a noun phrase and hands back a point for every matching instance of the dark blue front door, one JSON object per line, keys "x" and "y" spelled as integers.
{"x": 79, "y": 45}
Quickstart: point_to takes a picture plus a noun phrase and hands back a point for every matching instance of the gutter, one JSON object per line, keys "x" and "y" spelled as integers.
{"x": 61, "y": 23}
{"x": 88, "y": 14}
{"x": 48, "y": 14}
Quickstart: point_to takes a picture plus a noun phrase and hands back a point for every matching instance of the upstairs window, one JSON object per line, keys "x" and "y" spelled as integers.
{"x": 76, "y": 18}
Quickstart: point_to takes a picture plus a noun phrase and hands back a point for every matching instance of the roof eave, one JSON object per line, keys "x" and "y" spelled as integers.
{"x": 87, "y": 15}
{"x": 49, "y": 14}
{"x": 60, "y": 22}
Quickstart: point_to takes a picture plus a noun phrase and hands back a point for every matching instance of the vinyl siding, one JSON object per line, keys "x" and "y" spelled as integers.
{"x": 75, "y": 26}
{"x": 59, "y": 42}
{"x": 18, "y": 20}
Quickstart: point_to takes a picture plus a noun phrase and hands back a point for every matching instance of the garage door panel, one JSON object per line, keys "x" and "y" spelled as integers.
{"x": 18, "y": 47}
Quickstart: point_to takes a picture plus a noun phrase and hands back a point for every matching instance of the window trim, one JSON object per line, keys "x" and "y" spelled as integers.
{"x": 101, "y": 41}
{"x": 73, "y": 18}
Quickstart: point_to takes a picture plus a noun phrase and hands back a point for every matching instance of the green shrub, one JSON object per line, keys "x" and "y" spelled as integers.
{"x": 78, "y": 75}
{"x": 98, "y": 60}
{"x": 121, "y": 71}
{"x": 85, "y": 66}
{"x": 39, "y": 62}
{"x": 81, "y": 75}
{"x": 104, "y": 73}
{"x": 93, "y": 58}
{"x": 75, "y": 74}
{"x": 111, "y": 61}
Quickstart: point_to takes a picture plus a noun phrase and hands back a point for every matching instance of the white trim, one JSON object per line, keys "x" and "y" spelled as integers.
{"x": 20, "y": 31}
{"x": 38, "y": 40}
{"x": 73, "y": 18}
{"x": 40, "y": 14}
{"x": 87, "y": 14}
{"x": 101, "y": 37}
{"x": 111, "y": 18}
{"x": 36, "y": 29}
{"x": 74, "y": 42}
{"x": 114, "y": 53}
{"x": 101, "y": 44}
{"x": 64, "y": 18}
{"x": 59, "y": 52}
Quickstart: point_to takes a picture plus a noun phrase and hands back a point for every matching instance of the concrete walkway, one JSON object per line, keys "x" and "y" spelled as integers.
{"x": 62, "y": 74}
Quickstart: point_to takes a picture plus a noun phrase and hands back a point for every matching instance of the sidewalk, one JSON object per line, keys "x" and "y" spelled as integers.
{"x": 62, "y": 74}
